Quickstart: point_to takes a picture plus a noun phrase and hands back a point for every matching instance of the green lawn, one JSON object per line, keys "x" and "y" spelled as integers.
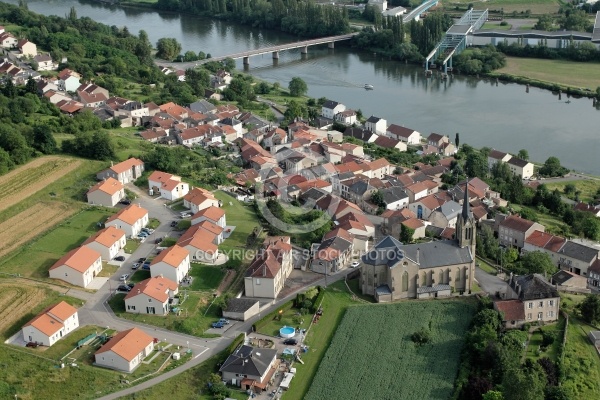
{"x": 588, "y": 188}
{"x": 64, "y": 346}
{"x": 534, "y": 352}
{"x": 552, "y": 223}
{"x": 128, "y": 144}
{"x": 206, "y": 277}
{"x": 509, "y": 6}
{"x": 496, "y": 26}
{"x": 131, "y": 246}
{"x": 581, "y": 364}
{"x": 485, "y": 266}
{"x": 139, "y": 275}
{"x": 288, "y": 318}
{"x": 168, "y": 242}
{"x": 241, "y": 216}
{"x": 34, "y": 259}
{"x": 570, "y": 73}
{"x": 191, "y": 320}
{"x": 108, "y": 269}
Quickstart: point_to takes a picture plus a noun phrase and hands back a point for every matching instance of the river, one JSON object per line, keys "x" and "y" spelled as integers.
{"x": 500, "y": 116}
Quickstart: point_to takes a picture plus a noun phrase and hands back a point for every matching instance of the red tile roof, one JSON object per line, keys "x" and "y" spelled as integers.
{"x": 517, "y": 223}
{"x": 512, "y": 310}
{"x": 127, "y": 344}
{"x": 79, "y": 259}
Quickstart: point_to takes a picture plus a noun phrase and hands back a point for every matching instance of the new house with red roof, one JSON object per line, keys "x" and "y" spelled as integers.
{"x": 151, "y": 296}
{"x": 169, "y": 186}
{"x": 200, "y": 243}
{"x": 514, "y": 230}
{"x": 212, "y": 214}
{"x": 106, "y": 193}
{"x": 51, "y": 325}
{"x": 130, "y": 219}
{"x": 125, "y": 172}
{"x": 125, "y": 351}
{"x": 107, "y": 242}
{"x": 199, "y": 199}
{"x": 78, "y": 267}
{"x": 172, "y": 263}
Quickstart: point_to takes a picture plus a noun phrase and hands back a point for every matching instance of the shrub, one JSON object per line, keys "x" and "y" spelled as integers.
{"x": 421, "y": 337}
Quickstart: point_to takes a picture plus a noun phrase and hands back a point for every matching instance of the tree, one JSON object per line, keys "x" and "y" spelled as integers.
{"x": 297, "y": 87}
{"x": 30, "y": 86}
{"x": 544, "y": 23}
{"x": 294, "y": 110}
{"x": 167, "y": 48}
{"x": 493, "y": 395}
{"x": 457, "y": 140}
{"x": 569, "y": 189}
{"x": 476, "y": 165}
{"x": 552, "y": 168}
{"x": 406, "y": 233}
{"x": 590, "y": 308}
{"x": 43, "y": 140}
{"x": 590, "y": 227}
{"x": 216, "y": 386}
{"x": 523, "y": 154}
{"x": 525, "y": 383}
{"x": 537, "y": 262}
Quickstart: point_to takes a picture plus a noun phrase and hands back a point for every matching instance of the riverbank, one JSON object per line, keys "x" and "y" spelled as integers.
{"x": 567, "y": 73}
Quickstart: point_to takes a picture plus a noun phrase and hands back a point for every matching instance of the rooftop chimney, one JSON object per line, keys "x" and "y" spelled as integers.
{"x": 418, "y": 253}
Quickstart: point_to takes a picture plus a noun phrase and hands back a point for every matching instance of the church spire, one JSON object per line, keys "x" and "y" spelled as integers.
{"x": 466, "y": 209}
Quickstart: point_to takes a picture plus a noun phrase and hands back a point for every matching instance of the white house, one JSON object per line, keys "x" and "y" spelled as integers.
{"x": 270, "y": 268}
{"x": 52, "y": 324}
{"x": 213, "y": 214}
{"x": 78, "y": 267}
{"x": 68, "y": 80}
{"x": 27, "y": 48}
{"x": 131, "y": 219}
{"x": 125, "y": 172}
{"x": 151, "y": 296}
{"x": 496, "y": 156}
{"x": 106, "y": 193}
{"x": 330, "y": 108}
{"x": 107, "y": 242}
{"x": 346, "y": 117}
{"x": 169, "y": 186}
{"x": 200, "y": 243}
{"x": 522, "y": 168}
{"x": 172, "y": 263}
{"x": 376, "y": 125}
{"x": 407, "y": 135}
{"x": 199, "y": 199}
{"x": 125, "y": 351}
{"x": 7, "y": 40}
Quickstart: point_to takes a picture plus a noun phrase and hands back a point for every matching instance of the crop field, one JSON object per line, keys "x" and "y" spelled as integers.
{"x": 20, "y": 229}
{"x": 33, "y": 177}
{"x": 372, "y": 356}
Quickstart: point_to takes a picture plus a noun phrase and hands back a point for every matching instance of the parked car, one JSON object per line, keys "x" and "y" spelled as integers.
{"x": 291, "y": 342}
{"x": 149, "y": 231}
{"x": 218, "y": 324}
{"x": 124, "y": 277}
{"x": 123, "y": 288}
{"x": 125, "y": 201}
{"x": 173, "y": 224}
{"x": 146, "y": 267}
{"x": 135, "y": 266}
{"x": 354, "y": 264}
{"x": 119, "y": 258}
{"x": 224, "y": 321}
{"x": 143, "y": 234}
{"x": 141, "y": 259}
{"x": 158, "y": 240}
{"x": 32, "y": 344}
{"x": 130, "y": 285}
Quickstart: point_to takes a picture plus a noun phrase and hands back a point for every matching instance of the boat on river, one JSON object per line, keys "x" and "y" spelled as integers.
{"x": 369, "y": 86}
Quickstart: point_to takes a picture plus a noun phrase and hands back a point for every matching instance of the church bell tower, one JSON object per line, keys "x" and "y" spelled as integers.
{"x": 465, "y": 225}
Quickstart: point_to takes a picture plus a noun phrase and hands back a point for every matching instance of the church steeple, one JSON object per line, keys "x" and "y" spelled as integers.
{"x": 465, "y": 226}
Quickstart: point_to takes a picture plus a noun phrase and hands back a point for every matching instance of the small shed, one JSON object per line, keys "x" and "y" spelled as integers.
{"x": 241, "y": 309}
{"x": 286, "y": 381}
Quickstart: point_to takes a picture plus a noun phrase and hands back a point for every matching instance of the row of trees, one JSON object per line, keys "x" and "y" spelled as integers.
{"x": 304, "y": 18}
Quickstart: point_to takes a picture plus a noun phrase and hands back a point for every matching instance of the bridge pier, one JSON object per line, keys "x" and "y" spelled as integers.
{"x": 304, "y": 50}
{"x": 246, "y": 60}
{"x": 331, "y": 45}
{"x": 275, "y": 55}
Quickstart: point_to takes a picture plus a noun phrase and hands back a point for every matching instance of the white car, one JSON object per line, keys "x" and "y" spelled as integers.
{"x": 354, "y": 264}
{"x": 124, "y": 277}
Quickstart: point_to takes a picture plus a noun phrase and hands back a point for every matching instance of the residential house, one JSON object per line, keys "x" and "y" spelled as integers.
{"x": 172, "y": 263}
{"x": 78, "y": 267}
{"x": 212, "y": 214}
{"x": 361, "y": 218}
{"x": 417, "y": 226}
{"x": 346, "y": 117}
{"x": 331, "y": 108}
{"x": 390, "y": 143}
{"x": 68, "y": 80}
{"x": 512, "y": 312}
{"x": 274, "y": 137}
{"x": 435, "y": 139}
{"x": 333, "y": 253}
{"x": 513, "y": 231}
{"x": 522, "y": 168}
{"x": 496, "y": 156}
{"x": 108, "y": 242}
{"x": 250, "y": 368}
{"x": 199, "y": 199}
{"x": 446, "y": 215}
{"x": 540, "y": 299}
{"x": 270, "y": 268}
{"x": 125, "y": 351}
{"x": 241, "y": 309}
{"x": 200, "y": 243}
{"x": 447, "y": 149}
{"x": 51, "y": 325}
{"x": 576, "y": 257}
{"x": 169, "y": 186}
{"x": 27, "y": 48}
{"x": 416, "y": 191}
{"x": 565, "y": 280}
{"x": 7, "y": 40}
{"x": 593, "y": 274}
{"x": 365, "y": 135}
{"x": 544, "y": 242}
{"x": 125, "y": 172}
{"x": 395, "y": 198}
{"x": 233, "y": 123}
{"x": 130, "y": 219}
{"x": 174, "y": 110}
{"x": 376, "y": 125}
{"x": 406, "y": 135}
{"x": 392, "y": 220}
{"x": 107, "y": 193}
{"x": 594, "y": 209}
{"x": 203, "y": 106}
{"x": 151, "y": 296}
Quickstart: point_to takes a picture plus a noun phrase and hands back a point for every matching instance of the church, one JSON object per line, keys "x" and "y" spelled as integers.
{"x": 393, "y": 271}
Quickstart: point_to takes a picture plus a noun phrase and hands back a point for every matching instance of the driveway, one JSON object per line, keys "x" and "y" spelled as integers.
{"x": 491, "y": 284}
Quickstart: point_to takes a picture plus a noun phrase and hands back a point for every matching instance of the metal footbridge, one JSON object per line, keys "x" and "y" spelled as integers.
{"x": 455, "y": 39}
{"x": 416, "y": 13}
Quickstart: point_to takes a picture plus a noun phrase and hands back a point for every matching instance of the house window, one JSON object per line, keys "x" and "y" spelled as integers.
{"x": 550, "y": 314}
{"x": 257, "y": 281}
{"x": 149, "y": 300}
{"x": 529, "y": 316}
{"x": 530, "y": 305}
{"x": 541, "y": 305}
{"x": 551, "y": 303}
{"x": 540, "y": 316}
